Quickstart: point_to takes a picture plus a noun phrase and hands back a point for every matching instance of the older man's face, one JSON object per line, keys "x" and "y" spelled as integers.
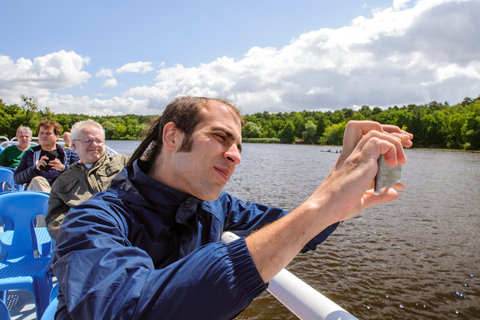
{"x": 67, "y": 138}
{"x": 90, "y": 145}
{"x": 24, "y": 138}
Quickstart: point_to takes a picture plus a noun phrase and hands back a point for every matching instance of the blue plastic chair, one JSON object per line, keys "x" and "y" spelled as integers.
{"x": 53, "y": 293}
{"x": 4, "y": 313}
{"x": 49, "y": 314}
{"x": 44, "y": 247}
{"x": 6, "y": 180}
{"x": 22, "y": 271}
{"x": 7, "y": 184}
{"x": 18, "y": 187}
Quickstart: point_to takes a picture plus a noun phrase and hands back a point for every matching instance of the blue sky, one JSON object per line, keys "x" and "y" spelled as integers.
{"x": 118, "y": 57}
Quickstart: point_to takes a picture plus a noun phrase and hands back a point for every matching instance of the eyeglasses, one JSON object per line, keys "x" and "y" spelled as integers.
{"x": 89, "y": 142}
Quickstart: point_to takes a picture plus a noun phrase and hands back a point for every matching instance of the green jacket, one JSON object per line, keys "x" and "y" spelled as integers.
{"x": 78, "y": 184}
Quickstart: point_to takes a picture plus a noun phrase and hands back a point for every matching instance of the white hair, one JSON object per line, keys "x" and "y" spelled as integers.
{"x": 81, "y": 125}
{"x": 23, "y": 128}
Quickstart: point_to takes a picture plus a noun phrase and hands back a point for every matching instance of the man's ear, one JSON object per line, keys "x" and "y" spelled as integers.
{"x": 169, "y": 136}
{"x": 74, "y": 147}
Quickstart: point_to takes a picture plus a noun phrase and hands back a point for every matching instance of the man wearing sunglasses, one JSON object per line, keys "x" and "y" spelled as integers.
{"x": 90, "y": 175}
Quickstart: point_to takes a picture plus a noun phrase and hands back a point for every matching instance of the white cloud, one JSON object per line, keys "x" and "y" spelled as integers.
{"x": 399, "y": 56}
{"x": 57, "y": 70}
{"x": 136, "y": 67}
{"x": 400, "y": 4}
{"x": 402, "y": 54}
{"x": 96, "y": 107}
{"x": 104, "y": 73}
{"x": 110, "y": 83}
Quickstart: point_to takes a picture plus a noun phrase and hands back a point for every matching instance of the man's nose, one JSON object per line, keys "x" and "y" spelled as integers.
{"x": 233, "y": 154}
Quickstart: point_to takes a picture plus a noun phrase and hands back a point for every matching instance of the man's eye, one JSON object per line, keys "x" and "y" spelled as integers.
{"x": 221, "y": 137}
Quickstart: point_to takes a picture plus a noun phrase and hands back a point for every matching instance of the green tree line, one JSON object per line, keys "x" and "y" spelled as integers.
{"x": 437, "y": 125}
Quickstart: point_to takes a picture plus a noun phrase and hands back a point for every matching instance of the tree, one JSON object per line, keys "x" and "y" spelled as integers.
{"x": 110, "y": 130}
{"x": 309, "y": 134}
{"x": 471, "y": 129}
{"x": 334, "y": 134}
{"x": 287, "y": 134}
{"x": 30, "y": 107}
{"x": 322, "y": 125}
{"x": 252, "y": 130}
{"x": 337, "y": 117}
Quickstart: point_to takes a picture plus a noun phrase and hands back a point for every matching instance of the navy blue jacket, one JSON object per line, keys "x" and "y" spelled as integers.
{"x": 27, "y": 170}
{"x": 142, "y": 250}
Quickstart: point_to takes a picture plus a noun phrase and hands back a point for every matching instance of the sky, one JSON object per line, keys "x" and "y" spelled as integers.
{"x": 134, "y": 57}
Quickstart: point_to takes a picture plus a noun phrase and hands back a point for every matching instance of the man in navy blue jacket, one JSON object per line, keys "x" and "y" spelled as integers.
{"x": 41, "y": 165}
{"x": 149, "y": 246}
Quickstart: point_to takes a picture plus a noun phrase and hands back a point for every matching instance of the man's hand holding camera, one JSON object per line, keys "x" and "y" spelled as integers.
{"x": 347, "y": 190}
{"x": 45, "y": 163}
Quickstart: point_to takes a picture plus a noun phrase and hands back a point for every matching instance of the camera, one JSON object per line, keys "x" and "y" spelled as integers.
{"x": 386, "y": 176}
{"x": 51, "y": 155}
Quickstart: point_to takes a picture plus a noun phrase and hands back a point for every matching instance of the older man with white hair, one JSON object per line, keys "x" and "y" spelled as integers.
{"x": 90, "y": 175}
{"x": 11, "y": 156}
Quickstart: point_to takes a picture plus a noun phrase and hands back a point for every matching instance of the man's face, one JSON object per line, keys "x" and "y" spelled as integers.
{"x": 47, "y": 137}
{"x": 24, "y": 138}
{"x": 207, "y": 167}
{"x": 90, "y": 145}
{"x": 67, "y": 138}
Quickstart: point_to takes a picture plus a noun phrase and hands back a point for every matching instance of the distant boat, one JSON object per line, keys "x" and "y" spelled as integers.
{"x": 331, "y": 151}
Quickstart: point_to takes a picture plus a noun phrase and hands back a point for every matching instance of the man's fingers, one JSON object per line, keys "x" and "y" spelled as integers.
{"x": 383, "y": 143}
{"x": 398, "y": 186}
{"x": 371, "y": 199}
{"x": 355, "y": 131}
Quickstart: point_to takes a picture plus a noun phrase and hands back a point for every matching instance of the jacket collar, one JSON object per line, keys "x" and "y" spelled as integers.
{"x": 162, "y": 198}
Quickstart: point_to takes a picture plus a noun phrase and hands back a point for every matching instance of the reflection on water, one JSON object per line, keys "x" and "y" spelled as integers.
{"x": 415, "y": 258}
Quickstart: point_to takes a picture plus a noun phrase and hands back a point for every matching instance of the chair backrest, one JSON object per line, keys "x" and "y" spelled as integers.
{"x": 7, "y": 183}
{"x": 4, "y": 313}
{"x": 49, "y": 313}
{"x": 22, "y": 208}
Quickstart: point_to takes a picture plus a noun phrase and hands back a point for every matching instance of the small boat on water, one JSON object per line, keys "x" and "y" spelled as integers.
{"x": 331, "y": 151}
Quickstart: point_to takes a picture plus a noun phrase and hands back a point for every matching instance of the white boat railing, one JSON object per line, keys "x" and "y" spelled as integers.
{"x": 304, "y": 301}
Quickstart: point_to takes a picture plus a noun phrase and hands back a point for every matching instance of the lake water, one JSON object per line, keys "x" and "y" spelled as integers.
{"x": 415, "y": 258}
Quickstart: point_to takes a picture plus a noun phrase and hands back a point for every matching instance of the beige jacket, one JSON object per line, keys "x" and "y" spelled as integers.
{"x": 78, "y": 184}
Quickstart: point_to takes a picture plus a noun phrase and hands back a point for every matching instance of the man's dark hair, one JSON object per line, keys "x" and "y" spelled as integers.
{"x": 185, "y": 113}
{"x": 47, "y": 124}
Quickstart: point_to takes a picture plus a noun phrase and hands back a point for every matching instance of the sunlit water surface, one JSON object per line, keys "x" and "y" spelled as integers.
{"x": 415, "y": 258}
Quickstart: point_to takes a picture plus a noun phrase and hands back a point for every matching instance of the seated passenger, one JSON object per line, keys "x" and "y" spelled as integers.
{"x": 41, "y": 165}
{"x": 90, "y": 175}
{"x": 11, "y": 155}
{"x": 67, "y": 138}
